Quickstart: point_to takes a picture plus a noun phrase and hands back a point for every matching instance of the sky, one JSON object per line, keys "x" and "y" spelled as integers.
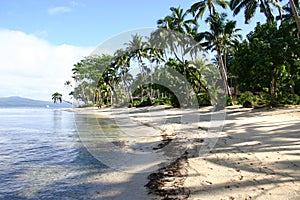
{"x": 41, "y": 40}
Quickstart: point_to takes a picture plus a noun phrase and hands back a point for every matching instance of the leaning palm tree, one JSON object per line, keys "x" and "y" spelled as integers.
{"x": 57, "y": 97}
{"x": 121, "y": 63}
{"x": 176, "y": 37}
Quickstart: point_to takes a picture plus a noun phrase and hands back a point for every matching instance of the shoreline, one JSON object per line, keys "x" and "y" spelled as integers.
{"x": 257, "y": 155}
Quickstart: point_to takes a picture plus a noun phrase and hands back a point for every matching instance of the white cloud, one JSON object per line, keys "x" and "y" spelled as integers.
{"x": 32, "y": 67}
{"x": 59, "y": 10}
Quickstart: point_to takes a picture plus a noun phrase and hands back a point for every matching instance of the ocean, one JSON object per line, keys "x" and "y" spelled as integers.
{"x": 42, "y": 157}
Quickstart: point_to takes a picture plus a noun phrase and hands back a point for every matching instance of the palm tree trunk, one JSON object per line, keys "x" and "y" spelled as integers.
{"x": 296, "y": 14}
{"x": 113, "y": 97}
{"x": 292, "y": 81}
{"x": 224, "y": 74}
{"x": 273, "y": 88}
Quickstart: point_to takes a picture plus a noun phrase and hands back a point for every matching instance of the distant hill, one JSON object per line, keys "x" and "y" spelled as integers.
{"x": 16, "y": 101}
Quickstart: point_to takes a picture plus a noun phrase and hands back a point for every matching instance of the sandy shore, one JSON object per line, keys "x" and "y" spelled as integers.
{"x": 255, "y": 156}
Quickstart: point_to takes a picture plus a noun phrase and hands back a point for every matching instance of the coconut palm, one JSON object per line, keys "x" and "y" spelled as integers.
{"x": 178, "y": 21}
{"x": 222, "y": 35}
{"x": 57, "y": 97}
{"x": 176, "y": 33}
{"x": 176, "y": 38}
{"x": 250, "y": 6}
{"x": 121, "y": 62}
{"x": 288, "y": 15}
{"x": 295, "y": 7}
{"x": 200, "y": 7}
{"x": 111, "y": 78}
{"x": 68, "y": 84}
{"x": 138, "y": 50}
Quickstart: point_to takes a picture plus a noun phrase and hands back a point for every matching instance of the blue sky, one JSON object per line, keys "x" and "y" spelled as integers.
{"x": 40, "y": 40}
{"x": 82, "y": 23}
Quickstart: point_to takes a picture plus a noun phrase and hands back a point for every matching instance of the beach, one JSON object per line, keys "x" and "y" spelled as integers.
{"x": 250, "y": 154}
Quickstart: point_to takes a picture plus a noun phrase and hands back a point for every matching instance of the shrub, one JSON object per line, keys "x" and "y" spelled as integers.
{"x": 288, "y": 99}
{"x": 203, "y": 99}
{"x": 247, "y": 97}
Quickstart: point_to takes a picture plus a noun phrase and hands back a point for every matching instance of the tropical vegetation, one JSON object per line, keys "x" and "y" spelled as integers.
{"x": 262, "y": 69}
{"x": 57, "y": 97}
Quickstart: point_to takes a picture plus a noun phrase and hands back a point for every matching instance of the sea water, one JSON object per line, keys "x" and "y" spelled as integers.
{"x": 42, "y": 157}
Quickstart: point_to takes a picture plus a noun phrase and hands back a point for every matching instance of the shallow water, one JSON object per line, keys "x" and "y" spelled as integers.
{"x": 42, "y": 157}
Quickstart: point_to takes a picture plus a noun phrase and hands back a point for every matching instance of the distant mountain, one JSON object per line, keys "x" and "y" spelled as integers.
{"x": 16, "y": 101}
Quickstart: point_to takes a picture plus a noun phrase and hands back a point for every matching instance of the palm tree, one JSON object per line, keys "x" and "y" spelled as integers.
{"x": 111, "y": 78}
{"x": 250, "y": 7}
{"x": 57, "y": 97}
{"x": 121, "y": 62}
{"x": 291, "y": 10}
{"x": 199, "y": 8}
{"x": 176, "y": 37}
{"x": 222, "y": 35}
{"x": 68, "y": 84}
{"x": 139, "y": 51}
{"x": 296, "y": 14}
{"x": 177, "y": 22}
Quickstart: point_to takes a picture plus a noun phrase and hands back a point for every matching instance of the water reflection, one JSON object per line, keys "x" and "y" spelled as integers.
{"x": 57, "y": 119}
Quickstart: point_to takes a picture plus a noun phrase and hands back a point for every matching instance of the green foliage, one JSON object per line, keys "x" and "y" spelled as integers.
{"x": 199, "y": 8}
{"x": 163, "y": 101}
{"x": 57, "y": 97}
{"x": 86, "y": 105}
{"x": 229, "y": 101}
{"x": 288, "y": 99}
{"x": 203, "y": 99}
{"x": 247, "y": 96}
{"x": 264, "y": 99}
{"x": 258, "y": 100}
{"x": 89, "y": 77}
{"x": 250, "y": 7}
{"x": 268, "y": 62}
{"x": 145, "y": 102}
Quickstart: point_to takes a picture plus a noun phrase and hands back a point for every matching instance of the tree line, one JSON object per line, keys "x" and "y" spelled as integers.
{"x": 262, "y": 69}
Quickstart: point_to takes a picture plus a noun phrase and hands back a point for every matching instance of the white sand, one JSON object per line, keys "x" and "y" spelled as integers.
{"x": 256, "y": 156}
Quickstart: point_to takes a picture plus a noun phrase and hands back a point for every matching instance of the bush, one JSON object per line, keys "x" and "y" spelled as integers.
{"x": 134, "y": 103}
{"x": 163, "y": 101}
{"x": 229, "y": 101}
{"x": 203, "y": 99}
{"x": 264, "y": 99}
{"x": 288, "y": 99}
{"x": 145, "y": 102}
{"x": 247, "y": 97}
